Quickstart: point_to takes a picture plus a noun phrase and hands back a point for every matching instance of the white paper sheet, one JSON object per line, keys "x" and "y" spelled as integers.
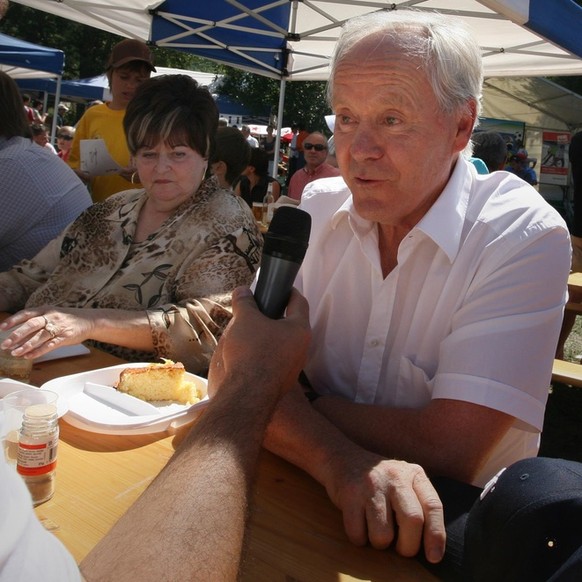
{"x": 95, "y": 158}
{"x": 64, "y": 352}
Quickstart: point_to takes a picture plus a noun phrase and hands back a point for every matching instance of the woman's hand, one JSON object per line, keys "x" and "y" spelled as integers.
{"x": 38, "y": 331}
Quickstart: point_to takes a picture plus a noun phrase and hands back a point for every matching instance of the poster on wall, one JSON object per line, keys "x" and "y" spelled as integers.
{"x": 554, "y": 163}
{"x": 513, "y": 132}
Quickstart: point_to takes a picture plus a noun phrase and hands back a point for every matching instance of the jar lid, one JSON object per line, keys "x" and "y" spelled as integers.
{"x": 39, "y": 411}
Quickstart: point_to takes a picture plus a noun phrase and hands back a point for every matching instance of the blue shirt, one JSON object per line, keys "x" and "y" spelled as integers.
{"x": 40, "y": 196}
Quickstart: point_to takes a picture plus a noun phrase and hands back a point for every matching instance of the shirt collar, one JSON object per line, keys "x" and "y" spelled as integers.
{"x": 443, "y": 223}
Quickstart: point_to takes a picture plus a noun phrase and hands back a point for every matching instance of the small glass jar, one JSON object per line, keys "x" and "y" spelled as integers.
{"x": 37, "y": 450}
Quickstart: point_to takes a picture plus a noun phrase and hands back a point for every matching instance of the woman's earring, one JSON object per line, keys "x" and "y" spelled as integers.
{"x": 133, "y": 180}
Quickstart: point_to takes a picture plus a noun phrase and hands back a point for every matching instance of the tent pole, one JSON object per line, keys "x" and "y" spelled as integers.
{"x": 55, "y": 110}
{"x": 279, "y": 127}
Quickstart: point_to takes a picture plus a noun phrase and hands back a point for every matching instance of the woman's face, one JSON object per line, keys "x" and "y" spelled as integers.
{"x": 64, "y": 140}
{"x": 170, "y": 174}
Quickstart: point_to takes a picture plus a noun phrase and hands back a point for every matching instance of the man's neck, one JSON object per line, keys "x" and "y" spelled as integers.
{"x": 312, "y": 169}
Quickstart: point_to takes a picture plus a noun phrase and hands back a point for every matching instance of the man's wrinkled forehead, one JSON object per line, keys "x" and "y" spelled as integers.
{"x": 409, "y": 41}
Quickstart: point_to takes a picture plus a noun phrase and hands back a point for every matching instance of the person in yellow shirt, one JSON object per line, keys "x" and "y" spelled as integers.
{"x": 130, "y": 64}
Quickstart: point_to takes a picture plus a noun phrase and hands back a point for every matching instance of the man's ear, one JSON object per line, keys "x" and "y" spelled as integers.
{"x": 466, "y": 124}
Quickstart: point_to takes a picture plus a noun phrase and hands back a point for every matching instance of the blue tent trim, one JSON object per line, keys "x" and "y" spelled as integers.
{"x": 553, "y": 20}
{"x": 72, "y": 90}
{"x": 19, "y": 53}
{"x": 221, "y": 31}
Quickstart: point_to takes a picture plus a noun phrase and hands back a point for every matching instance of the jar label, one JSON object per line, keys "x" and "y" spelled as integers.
{"x": 37, "y": 459}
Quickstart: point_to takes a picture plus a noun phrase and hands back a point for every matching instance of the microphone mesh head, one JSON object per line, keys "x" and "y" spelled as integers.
{"x": 291, "y": 223}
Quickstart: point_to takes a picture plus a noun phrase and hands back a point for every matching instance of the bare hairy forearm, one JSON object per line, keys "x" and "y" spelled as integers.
{"x": 304, "y": 437}
{"x": 190, "y": 523}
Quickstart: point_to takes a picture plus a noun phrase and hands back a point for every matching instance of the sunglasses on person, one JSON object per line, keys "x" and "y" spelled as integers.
{"x": 318, "y": 147}
{"x": 65, "y": 137}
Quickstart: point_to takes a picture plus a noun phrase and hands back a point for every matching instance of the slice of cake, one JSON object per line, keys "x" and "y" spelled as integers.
{"x": 165, "y": 381}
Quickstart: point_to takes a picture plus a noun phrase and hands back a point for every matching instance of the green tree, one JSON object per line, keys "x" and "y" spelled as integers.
{"x": 305, "y": 101}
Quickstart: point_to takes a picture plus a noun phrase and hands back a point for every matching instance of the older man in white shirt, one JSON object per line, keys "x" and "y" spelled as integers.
{"x": 436, "y": 295}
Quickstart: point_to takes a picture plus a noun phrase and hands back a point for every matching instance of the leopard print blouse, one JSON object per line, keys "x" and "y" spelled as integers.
{"x": 182, "y": 275}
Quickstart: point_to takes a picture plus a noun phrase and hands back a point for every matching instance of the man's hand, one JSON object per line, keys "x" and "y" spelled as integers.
{"x": 384, "y": 500}
{"x": 268, "y": 353}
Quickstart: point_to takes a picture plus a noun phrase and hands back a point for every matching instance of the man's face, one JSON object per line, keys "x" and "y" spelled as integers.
{"x": 314, "y": 150}
{"x": 394, "y": 147}
{"x": 124, "y": 83}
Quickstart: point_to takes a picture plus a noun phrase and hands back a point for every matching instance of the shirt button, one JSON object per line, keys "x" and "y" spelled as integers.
{"x": 374, "y": 343}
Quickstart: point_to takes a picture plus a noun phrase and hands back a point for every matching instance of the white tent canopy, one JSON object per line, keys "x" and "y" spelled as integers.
{"x": 204, "y": 79}
{"x": 538, "y": 102}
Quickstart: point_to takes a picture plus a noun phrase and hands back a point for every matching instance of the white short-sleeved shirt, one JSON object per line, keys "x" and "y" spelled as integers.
{"x": 28, "y": 552}
{"x": 472, "y": 311}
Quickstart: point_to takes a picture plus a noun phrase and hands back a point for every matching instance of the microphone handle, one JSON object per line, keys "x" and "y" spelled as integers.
{"x": 274, "y": 285}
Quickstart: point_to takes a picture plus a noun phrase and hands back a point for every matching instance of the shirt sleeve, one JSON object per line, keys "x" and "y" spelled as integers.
{"x": 81, "y": 132}
{"x": 23, "y": 279}
{"x": 500, "y": 350}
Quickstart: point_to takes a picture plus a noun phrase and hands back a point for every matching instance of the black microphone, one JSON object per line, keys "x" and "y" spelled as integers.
{"x": 286, "y": 242}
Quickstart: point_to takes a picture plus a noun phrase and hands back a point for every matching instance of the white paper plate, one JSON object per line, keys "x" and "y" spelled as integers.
{"x": 105, "y": 416}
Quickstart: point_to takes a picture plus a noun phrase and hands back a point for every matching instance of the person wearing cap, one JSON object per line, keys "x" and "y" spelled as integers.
{"x": 130, "y": 64}
{"x": 62, "y": 110}
{"x": 519, "y": 165}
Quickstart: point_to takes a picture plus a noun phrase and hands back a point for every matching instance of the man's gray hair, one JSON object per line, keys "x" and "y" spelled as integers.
{"x": 445, "y": 48}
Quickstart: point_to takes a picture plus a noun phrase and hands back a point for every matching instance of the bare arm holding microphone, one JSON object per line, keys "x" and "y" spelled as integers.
{"x": 190, "y": 523}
